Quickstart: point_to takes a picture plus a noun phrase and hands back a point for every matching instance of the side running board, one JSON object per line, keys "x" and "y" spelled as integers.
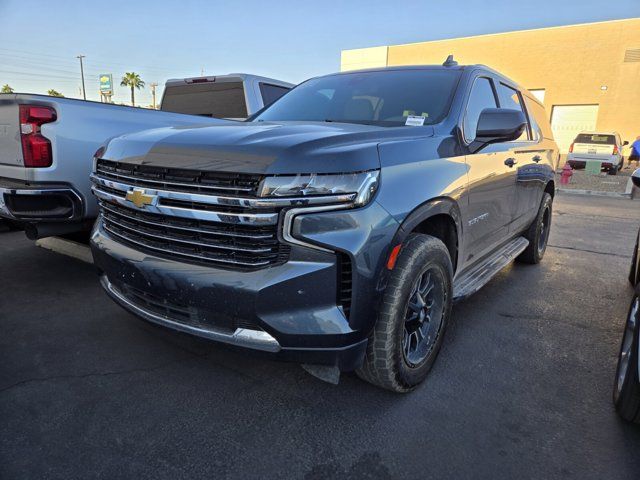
{"x": 474, "y": 279}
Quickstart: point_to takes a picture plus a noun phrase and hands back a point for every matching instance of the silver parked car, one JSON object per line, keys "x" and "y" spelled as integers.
{"x": 603, "y": 147}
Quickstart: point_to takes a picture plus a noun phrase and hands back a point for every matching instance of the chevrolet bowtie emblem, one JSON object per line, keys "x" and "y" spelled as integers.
{"x": 139, "y": 198}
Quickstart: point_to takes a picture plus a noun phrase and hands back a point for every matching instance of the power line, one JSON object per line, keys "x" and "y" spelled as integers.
{"x": 120, "y": 65}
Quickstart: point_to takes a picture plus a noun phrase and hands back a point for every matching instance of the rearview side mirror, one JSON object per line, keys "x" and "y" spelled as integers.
{"x": 498, "y": 125}
{"x": 635, "y": 177}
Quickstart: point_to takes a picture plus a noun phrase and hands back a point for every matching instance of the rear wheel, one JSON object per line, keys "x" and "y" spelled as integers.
{"x": 415, "y": 310}
{"x": 538, "y": 233}
{"x": 626, "y": 391}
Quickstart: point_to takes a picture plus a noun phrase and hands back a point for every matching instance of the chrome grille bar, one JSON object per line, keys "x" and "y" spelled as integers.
{"x": 252, "y": 236}
{"x": 211, "y": 216}
{"x": 216, "y": 200}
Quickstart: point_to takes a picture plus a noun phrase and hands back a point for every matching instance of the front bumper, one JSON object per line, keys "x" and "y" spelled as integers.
{"x": 289, "y": 311}
{"x": 39, "y": 202}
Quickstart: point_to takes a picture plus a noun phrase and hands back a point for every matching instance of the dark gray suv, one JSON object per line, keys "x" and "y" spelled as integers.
{"x": 336, "y": 227}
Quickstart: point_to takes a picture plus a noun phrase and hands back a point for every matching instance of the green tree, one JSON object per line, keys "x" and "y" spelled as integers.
{"x": 133, "y": 81}
{"x": 6, "y": 89}
{"x": 54, "y": 93}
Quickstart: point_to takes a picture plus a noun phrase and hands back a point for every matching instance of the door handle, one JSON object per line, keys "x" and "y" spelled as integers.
{"x": 537, "y": 158}
{"x": 510, "y": 162}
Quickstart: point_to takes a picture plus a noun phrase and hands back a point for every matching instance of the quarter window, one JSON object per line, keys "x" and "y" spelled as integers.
{"x": 481, "y": 97}
{"x": 510, "y": 98}
{"x": 271, "y": 93}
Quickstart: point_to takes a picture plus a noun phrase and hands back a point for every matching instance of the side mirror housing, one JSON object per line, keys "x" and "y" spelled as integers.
{"x": 625, "y": 143}
{"x": 498, "y": 125}
{"x": 635, "y": 177}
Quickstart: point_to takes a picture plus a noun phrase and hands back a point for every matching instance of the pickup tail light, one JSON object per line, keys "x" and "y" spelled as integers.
{"x": 571, "y": 148}
{"x": 36, "y": 149}
{"x": 615, "y": 150}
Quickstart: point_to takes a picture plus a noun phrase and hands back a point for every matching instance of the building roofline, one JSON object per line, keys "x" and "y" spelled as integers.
{"x": 500, "y": 33}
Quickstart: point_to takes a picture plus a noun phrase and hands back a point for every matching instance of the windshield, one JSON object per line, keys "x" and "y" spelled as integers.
{"x": 385, "y": 98}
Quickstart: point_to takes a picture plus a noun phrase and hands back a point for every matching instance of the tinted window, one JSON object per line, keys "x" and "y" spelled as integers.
{"x": 596, "y": 138}
{"x": 271, "y": 93}
{"x": 510, "y": 98}
{"x": 481, "y": 97}
{"x": 211, "y": 99}
{"x": 384, "y": 98}
{"x": 538, "y": 115}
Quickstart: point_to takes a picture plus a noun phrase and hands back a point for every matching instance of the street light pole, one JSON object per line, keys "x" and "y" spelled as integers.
{"x": 84, "y": 92}
{"x": 153, "y": 92}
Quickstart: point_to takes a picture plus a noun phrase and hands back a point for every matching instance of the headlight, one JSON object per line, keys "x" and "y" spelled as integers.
{"x": 359, "y": 186}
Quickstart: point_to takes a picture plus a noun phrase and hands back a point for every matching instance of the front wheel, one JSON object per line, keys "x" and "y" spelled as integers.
{"x": 538, "y": 233}
{"x": 415, "y": 310}
{"x": 626, "y": 391}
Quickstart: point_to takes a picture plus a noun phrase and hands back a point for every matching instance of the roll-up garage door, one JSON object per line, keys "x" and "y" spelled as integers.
{"x": 567, "y": 121}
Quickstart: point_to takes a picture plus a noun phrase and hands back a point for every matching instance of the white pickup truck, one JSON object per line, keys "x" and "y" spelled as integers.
{"x": 47, "y": 143}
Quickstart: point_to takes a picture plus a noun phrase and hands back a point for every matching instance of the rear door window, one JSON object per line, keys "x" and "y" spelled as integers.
{"x": 481, "y": 97}
{"x": 510, "y": 98}
{"x": 538, "y": 115}
{"x": 271, "y": 93}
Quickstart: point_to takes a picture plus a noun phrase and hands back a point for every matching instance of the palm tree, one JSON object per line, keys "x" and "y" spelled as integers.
{"x": 54, "y": 93}
{"x": 6, "y": 89}
{"x": 132, "y": 80}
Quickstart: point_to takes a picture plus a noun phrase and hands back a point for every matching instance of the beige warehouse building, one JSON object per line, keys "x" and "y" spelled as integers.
{"x": 587, "y": 76}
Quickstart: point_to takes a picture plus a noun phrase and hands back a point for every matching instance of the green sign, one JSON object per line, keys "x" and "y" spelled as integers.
{"x": 106, "y": 83}
{"x": 593, "y": 168}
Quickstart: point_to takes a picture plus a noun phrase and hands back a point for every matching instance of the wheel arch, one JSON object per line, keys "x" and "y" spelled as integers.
{"x": 550, "y": 188}
{"x": 439, "y": 217}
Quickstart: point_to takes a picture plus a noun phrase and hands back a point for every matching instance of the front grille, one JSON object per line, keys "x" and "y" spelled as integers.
{"x": 179, "y": 180}
{"x": 214, "y": 230}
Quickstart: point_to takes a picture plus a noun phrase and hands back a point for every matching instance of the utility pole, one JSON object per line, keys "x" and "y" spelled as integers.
{"x": 84, "y": 92}
{"x": 153, "y": 93}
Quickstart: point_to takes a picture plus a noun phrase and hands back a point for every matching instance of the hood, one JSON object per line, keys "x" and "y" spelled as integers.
{"x": 261, "y": 148}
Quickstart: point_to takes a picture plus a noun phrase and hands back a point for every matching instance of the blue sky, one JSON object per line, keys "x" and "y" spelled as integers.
{"x": 290, "y": 40}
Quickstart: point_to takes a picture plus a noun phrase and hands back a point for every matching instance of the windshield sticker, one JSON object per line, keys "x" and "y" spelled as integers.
{"x": 415, "y": 121}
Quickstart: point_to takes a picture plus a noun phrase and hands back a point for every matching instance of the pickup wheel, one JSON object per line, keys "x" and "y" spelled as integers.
{"x": 538, "y": 233}
{"x": 626, "y": 390}
{"x": 415, "y": 309}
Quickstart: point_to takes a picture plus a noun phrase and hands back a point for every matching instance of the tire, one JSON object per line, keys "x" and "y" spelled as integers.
{"x": 626, "y": 388}
{"x": 538, "y": 233}
{"x": 613, "y": 171}
{"x": 390, "y": 362}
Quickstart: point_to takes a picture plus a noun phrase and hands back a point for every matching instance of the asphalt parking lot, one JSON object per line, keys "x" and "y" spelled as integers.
{"x": 522, "y": 387}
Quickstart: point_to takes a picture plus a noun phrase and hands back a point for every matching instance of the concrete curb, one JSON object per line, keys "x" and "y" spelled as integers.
{"x": 596, "y": 193}
{"x": 67, "y": 247}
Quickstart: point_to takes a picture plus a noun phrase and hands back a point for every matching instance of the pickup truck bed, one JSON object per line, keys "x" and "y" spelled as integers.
{"x": 60, "y": 193}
